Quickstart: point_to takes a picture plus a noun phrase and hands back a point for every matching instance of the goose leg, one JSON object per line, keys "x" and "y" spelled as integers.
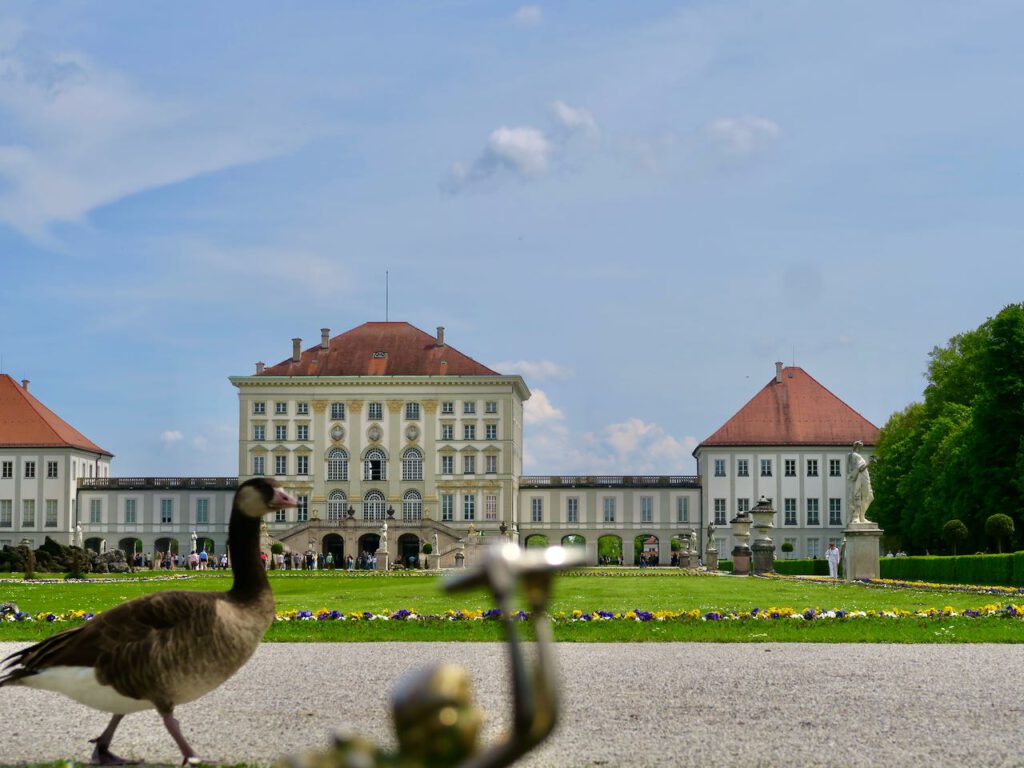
{"x": 101, "y": 754}
{"x": 189, "y": 756}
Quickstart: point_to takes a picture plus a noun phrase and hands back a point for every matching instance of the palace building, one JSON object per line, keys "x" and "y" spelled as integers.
{"x": 386, "y": 431}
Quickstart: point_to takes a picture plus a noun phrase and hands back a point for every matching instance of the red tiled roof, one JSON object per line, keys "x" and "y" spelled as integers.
{"x": 381, "y": 349}
{"x": 796, "y": 411}
{"x": 27, "y": 423}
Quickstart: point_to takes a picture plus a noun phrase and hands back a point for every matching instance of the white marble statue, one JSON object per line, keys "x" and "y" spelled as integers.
{"x": 858, "y": 484}
{"x": 78, "y": 535}
{"x": 711, "y": 535}
{"x": 383, "y": 545}
{"x": 437, "y": 548}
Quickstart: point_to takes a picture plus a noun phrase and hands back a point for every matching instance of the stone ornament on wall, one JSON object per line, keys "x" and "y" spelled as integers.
{"x": 319, "y": 406}
{"x": 355, "y": 407}
{"x": 394, "y": 406}
{"x": 429, "y": 406}
{"x": 337, "y": 432}
{"x": 374, "y": 433}
{"x": 412, "y": 432}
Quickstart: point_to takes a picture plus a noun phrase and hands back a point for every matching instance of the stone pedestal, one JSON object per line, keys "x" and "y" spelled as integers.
{"x": 383, "y": 563}
{"x": 762, "y": 556}
{"x": 741, "y": 561}
{"x": 863, "y": 550}
{"x": 711, "y": 559}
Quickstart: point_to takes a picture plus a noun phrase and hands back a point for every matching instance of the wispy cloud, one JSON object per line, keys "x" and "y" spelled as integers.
{"x": 171, "y": 436}
{"x": 537, "y": 370}
{"x": 742, "y": 135}
{"x": 528, "y": 15}
{"x": 573, "y": 118}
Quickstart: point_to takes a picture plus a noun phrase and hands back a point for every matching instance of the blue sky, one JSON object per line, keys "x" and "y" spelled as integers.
{"x": 638, "y": 206}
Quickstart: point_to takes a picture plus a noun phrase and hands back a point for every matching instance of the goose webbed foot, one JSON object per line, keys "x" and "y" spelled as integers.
{"x": 103, "y": 756}
{"x": 188, "y": 755}
{"x": 196, "y": 760}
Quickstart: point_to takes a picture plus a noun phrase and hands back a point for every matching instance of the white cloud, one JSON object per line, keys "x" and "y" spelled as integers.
{"x": 523, "y": 152}
{"x": 171, "y": 436}
{"x": 742, "y": 135}
{"x": 539, "y": 410}
{"x": 574, "y": 118}
{"x": 200, "y": 443}
{"x": 528, "y": 15}
{"x": 537, "y": 370}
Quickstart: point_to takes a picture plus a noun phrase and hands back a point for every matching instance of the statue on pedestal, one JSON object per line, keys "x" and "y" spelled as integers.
{"x": 383, "y": 545}
{"x": 858, "y": 482}
{"x": 437, "y": 549}
{"x": 78, "y": 535}
{"x": 711, "y": 535}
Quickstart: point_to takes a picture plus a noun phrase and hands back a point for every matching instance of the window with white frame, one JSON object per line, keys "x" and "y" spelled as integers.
{"x": 374, "y": 506}
{"x": 412, "y": 410}
{"x": 491, "y": 463}
{"x": 447, "y": 407}
{"x": 490, "y": 507}
{"x": 813, "y": 512}
{"x": 412, "y": 464}
{"x": 447, "y": 507}
{"x": 302, "y": 431}
{"x": 337, "y": 411}
{"x": 337, "y": 502}
{"x": 682, "y": 509}
{"x": 491, "y": 406}
{"x": 537, "y": 510}
{"x": 375, "y": 465}
{"x": 166, "y": 511}
{"x": 281, "y": 409}
{"x": 835, "y": 468}
{"x": 281, "y": 515}
{"x": 469, "y": 506}
{"x": 719, "y": 467}
{"x": 375, "y": 411}
{"x": 789, "y": 512}
{"x": 813, "y": 549}
{"x": 258, "y": 465}
{"x": 28, "y": 513}
{"x": 742, "y": 505}
{"x": 131, "y": 511}
{"x": 646, "y": 509}
{"x": 280, "y": 465}
{"x": 469, "y": 406}
{"x": 259, "y": 409}
{"x": 412, "y": 506}
{"x": 812, "y": 467}
{"x": 572, "y": 510}
{"x": 447, "y": 431}
{"x": 51, "y": 513}
{"x": 259, "y": 432}
{"x": 742, "y": 467}
{"x": 30, "y": 470}
{"x": 835, "y": 511}
{"x": 447, "y": 464}
{"x": 469, "y": 464}
{"x": 202, "y": 511}
{"x": 302, "y": 409}
{"x": 302, "y": 509}
{"x": 469, "y": 431}
{"x": 6, "y": 470}
{"x": 490, "y": 431}
{"x": 51, "y": 470}
{"x": 281, "y": 432}
{"x": 720, "y": 512}
{"x": 6, "y": 513}
{"x": 609, "y": 509}
{"x": 766, "y": 467}
{"x": 790, "y": 467}
{"x": 302, "y": 465}
{"x": 337, "y": 464}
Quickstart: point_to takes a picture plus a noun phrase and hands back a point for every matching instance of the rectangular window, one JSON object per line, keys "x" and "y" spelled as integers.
{"x": 492, "y": 464}
{"x": 609, "y": 509}
{"x": 302, "y": 409}
{"x": 469, "y": 465}
{"x": 375, "y": 412}
{"x": 447, "y": 407}
{"x": 258, "y": 465}
{"x": 337, "y": 411}
{"x": 742, "y": 468}
{"x": 682, "y": 509}
{"x": 28, "y": 513}
{"x": 7, "y": 470}
{"x": 719, "y": 467}
{"x": 766, "y": 467}
{"x": 537, "y": 510}
{"x": 720, "y": 512}
{"x": 789, "y": 511}
{"x": 491, "y": 507}
{"x": 302, "y": 510}
{"x": 131, "y": 511}
{"x": 491, "y": 406}
{"x": 447, "y": 505}
{"x": 281, "y": 432}
{"x": 280, "y": 515}
{"x": 302, "y": 432}
{"x": 302, "y": 465}
{"x": 834, "y": 468}
{"x": 51, "y": 513}
{"x": 202, "y": 511}
{"x": 646, "y": 509}
{"x": 95, "y": 511}
{"x": 51, "y": 470}
{"x": 259, "y": 408}
{"x": 280, "y": 465}
{"x": 813, "y": 516}
{"x": 447, "y": 465}
{"x": 812, "y": 548}
{"x": 281, "y": 409}
{"x": 812, "y": 467}
{"x": 469, "y": 506}
{"x": 790, "y": 468}
{"x": 742, "y": 505}
{"x": 447, "y": 431}
{"x": 469, "y": 431}
{"x": 572, "y": 510}
{"x": 30, "y": 469}
{"x": 835, "y": 511}
{"x": 469, "y": 406}
{"x": 166, "y": 511}
{"x": 6, "y": 513}
{"x": 491, "y": 432}
{"x": 259, "y": 432}
{"x": 412, "y": 410}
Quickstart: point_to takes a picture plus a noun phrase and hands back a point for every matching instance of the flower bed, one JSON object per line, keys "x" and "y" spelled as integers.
{"x": 977, "y": 589}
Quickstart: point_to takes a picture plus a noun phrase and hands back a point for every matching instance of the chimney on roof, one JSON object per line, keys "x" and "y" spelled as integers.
{"x": 778, "y": 373}
{"x": 440, "y": 335}
{"x": 24, "y": 384}
{"x": 259, "y": 367}
{"x": 325, "y": 338}
{"x": 296, "y": 349}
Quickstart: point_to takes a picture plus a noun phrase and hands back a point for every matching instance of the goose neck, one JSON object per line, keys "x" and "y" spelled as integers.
{"x": 244, "y": 547}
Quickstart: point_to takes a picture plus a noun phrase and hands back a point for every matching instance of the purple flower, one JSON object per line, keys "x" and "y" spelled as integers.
{"x": 606, "y": 614}
{"x": 809, "y": 613}
{"x": 50, "y": 617}
{"x": 712, "y": 616}
{"x": 493, "y": 613}
{"x": 402, "y": 614}
{"x": 367, "y": 615}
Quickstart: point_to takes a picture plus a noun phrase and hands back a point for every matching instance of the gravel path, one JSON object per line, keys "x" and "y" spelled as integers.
{"x": 651, "y": 704}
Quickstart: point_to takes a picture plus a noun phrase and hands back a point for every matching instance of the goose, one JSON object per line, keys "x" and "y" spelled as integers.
{"x": 167, "y": 648}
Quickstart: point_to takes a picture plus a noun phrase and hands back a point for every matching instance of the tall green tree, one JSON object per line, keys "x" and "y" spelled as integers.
{"x": 897, "y": 445}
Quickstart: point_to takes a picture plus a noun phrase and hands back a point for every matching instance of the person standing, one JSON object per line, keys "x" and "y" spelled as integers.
{"x": 832, "y": 555}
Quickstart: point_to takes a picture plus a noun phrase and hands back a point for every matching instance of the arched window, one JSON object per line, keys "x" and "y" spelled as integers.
{"x": 374, "y": 506}
{"x": 337, "y": 465}
{"x": 412, "y": 465}
{"x": 375, "y": 465}
{"x": 412, "y": 506}
{"x": 336, "y": 506}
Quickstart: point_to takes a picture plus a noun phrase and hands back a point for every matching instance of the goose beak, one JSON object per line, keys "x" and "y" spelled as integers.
{"x": 282, "y": 499}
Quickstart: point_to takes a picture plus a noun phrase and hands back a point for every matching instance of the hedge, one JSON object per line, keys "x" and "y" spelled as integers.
{"x": 999, "y": 570}
{"x": 802, "y": 567}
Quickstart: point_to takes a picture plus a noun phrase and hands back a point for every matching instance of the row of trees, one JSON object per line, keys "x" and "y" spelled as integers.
{"x": 959, "y": 454}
